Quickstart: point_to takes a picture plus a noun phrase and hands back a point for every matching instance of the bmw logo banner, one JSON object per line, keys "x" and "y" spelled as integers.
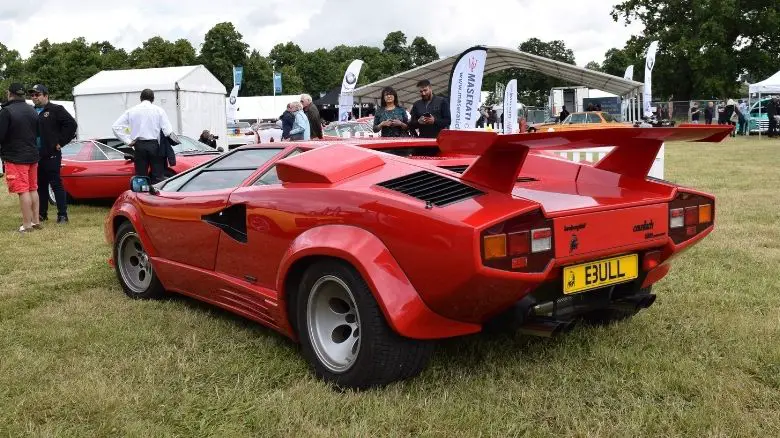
{"x": 347, "y": 87}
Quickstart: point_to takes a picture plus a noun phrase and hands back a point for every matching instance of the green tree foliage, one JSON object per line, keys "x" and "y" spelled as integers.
{"x": 258, "y": 76}
{"x": 705, "y": 46}
{"x": 422, "y": 52}
{"x": 593, "y": 65}
{"x": 61, "y": 66}
{"x": 11, "y": 67}
{"x": 158, "y": 52}
{"x": 285, "y": 54}
{"x": 223, "y": 47}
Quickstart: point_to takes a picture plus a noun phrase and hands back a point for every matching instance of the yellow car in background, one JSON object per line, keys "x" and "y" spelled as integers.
{"x": 581, "y": 120}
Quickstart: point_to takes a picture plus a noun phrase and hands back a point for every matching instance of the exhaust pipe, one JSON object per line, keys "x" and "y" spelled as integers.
{"x": 546, "y": 328}
{"x": 634, "y": 304}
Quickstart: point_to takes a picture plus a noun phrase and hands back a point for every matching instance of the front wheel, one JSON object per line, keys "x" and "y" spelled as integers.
{"x": 133, "y": 266}
{"x": 344, "y": 335}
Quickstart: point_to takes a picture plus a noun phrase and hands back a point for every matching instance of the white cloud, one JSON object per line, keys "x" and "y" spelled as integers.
{"x": 585, "y": 27}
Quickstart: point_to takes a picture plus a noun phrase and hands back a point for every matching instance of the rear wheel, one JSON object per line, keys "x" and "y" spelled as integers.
{"x": 344, "y": 335}
{"x": 133, "y": 266}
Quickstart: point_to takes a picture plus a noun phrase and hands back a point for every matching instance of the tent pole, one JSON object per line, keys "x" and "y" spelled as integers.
{"x": 360, "y": 107}
{"x": 759, "y": 115}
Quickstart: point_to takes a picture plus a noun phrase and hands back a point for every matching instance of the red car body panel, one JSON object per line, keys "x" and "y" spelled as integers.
{"x": 86, "y": 178}
{"x": 424, "y": 264}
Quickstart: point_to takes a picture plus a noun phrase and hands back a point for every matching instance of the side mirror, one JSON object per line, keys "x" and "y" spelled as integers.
{"x": 142, "y": 184}
{"x": 129, "y": 157}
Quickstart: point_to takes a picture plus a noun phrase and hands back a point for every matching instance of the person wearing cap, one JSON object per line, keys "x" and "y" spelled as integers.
{"x": 56, "y": 128}
{"x": 144, "y": 123}
{"x": 18, "y": 128}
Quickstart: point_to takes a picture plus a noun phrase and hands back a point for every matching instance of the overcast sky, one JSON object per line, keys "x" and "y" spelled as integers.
{"x": 452, "y": 26}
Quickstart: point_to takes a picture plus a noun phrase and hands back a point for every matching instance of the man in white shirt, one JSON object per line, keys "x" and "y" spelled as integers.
{"x": 139, "y": 127}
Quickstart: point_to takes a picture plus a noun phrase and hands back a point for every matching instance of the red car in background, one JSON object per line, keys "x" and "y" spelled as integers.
{"x": 366, "y": 256}
{"x": 93, "y": 170}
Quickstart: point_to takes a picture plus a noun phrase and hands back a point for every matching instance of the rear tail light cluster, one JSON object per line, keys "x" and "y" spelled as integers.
{"x": 521, "y": 244}
{"x": 689, "y": 215}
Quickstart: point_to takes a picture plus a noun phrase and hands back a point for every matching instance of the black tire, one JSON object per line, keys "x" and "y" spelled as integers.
{"x": 136, "y": 284}
{"x": 382, "y": 355}
{"x": 610, "y": 316}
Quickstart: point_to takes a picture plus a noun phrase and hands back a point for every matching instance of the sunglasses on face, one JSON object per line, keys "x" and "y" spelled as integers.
{"x": 36, "y": 94}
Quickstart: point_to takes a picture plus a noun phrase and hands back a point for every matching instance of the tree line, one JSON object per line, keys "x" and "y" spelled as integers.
{"x": 707, "y": 48}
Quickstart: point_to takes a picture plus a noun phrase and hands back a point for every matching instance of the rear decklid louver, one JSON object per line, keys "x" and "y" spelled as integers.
{"x": 457, "y": 169}
{"x": 430, "y": 187}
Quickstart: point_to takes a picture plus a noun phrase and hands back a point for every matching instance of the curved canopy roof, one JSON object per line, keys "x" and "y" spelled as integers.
{"x": 498, "y": 58}
{"x": 768, "y": 85}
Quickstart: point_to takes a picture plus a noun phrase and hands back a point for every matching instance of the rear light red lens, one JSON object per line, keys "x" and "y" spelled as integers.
{"x": 519, "y": 243}
{"x": 542, "y": 240}
{"x": 519, "y": 262}
{"x": 691, "y": 215}
{"x": 542, "y": 234}
{"x": 651, "y": 260}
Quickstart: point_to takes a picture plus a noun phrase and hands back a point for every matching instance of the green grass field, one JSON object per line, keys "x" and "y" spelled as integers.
{"x": 78, "y": 358}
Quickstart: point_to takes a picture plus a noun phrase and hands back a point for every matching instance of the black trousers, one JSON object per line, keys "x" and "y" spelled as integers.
{"x": 772, "y": 127}
{"x": 49, "y": 175}
{"x": 148, "y": 157}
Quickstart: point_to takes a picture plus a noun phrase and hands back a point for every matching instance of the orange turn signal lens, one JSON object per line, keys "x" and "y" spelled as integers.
{"x": 495, "y": 246}
{"x": 705, "y": 213}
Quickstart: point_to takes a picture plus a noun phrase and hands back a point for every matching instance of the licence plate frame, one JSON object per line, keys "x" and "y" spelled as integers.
{"x": 600, "y": 273}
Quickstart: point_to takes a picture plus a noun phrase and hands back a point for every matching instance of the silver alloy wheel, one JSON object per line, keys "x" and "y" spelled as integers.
{"x": 134, "y": 264}
{"x": 52, "y": 198}
{"x": 333, "y": 323}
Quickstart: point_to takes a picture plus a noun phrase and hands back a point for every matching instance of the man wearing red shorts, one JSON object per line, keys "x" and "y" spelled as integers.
{"x": 18, "y": 129}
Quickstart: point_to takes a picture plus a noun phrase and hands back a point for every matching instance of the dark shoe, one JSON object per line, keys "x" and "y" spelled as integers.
{"x": 62, "y": 220}
{"x": 42, "y": 218}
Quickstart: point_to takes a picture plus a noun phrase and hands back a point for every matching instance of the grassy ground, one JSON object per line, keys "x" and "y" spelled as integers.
{"x": 77, "y": 358}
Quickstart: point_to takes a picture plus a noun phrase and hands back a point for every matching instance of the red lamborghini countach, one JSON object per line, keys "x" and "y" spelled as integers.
{"x": 367, "y": 252}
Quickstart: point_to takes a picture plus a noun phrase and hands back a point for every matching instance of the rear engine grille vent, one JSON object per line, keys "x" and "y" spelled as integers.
{"x": 430, "y": 187}
{"x": 526, "y": 179}
{"x": 456, "y": 169}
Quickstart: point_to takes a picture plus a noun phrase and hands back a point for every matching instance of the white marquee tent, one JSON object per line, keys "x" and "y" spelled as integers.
{"x": 767, "y": 86}
{"x": 193, "y": 98}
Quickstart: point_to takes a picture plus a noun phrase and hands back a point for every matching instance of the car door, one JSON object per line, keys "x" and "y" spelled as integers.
{"x": 97, "y": 171}
{"x": 269, "y": 226}
{"x": 189, "y": 214}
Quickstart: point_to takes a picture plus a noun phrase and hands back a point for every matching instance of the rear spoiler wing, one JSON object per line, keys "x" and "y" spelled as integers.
{"x": 501, "y": 156}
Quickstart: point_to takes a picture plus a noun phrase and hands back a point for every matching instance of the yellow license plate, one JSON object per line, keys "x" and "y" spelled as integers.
{"x": 593, "y": 275}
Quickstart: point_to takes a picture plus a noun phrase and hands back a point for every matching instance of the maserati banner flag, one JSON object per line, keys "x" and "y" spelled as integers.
{"x": 466, "y": 87}
{"x": 347, "y": 87}
{"x": 647, "y": 96}
{"x": 510, "y": 107}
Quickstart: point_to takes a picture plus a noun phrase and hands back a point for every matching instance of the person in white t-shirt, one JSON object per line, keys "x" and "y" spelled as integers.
{"x": 140, "y": 127}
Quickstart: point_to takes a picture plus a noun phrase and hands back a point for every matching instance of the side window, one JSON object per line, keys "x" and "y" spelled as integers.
{"x": 111, "y": 153}
{"x": 577, "y": 118}
{"x": 72, "y": 149}
{"x": 97, "y": 154}
{"x": 593, "y": 118}
{"x": 270, "y": 177}
{"x": 222, "y": 173}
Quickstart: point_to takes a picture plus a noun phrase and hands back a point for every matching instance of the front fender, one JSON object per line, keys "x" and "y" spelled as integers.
{"x": 126, "y": 209}
{"x": 401, "y": 305}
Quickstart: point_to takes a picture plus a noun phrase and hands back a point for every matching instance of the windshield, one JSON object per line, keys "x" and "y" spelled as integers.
{"x": 189, "y": 145}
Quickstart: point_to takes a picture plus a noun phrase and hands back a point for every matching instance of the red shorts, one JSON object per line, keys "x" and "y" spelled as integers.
{"x": 21, "y": 178}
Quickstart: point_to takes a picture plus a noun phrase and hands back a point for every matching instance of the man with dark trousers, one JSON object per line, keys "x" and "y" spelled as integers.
{"x": 771, "y": 112}
{"x": 56, "y": 128}
{"x": 139, "y": 127}
{"x": 431, "y": 113}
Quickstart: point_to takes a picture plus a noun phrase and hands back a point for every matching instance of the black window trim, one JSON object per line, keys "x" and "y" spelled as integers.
{"x": 300, "y": 150}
